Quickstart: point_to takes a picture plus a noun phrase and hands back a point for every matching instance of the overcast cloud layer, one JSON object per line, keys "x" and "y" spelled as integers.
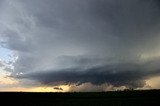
{"x": 80, "y": 41}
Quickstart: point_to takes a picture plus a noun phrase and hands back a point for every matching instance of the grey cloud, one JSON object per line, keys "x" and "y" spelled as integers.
{"x": 8, "y": 69}
{"x": 1, "y": 64}
{"x": 127, "y": 74}
{"x": 5, "y": 66}
{"x": 117, "y": 27}
{"x": 58, "y": 88}
{"x": 88, "y": 87}
{"x": 93, "y": 41}
{"x": 16, "y": 42}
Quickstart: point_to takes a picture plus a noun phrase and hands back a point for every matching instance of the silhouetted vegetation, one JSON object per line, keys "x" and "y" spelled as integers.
{"x": 118, "y": 98}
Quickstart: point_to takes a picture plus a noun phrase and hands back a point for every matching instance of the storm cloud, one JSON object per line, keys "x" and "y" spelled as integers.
{"x": 128, "y": 74}
{"x": 87, "y": 41}
{"x": 57, "y": 88}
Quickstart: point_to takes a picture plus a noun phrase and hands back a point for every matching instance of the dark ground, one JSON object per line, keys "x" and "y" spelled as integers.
{"x": 118, "y": 98}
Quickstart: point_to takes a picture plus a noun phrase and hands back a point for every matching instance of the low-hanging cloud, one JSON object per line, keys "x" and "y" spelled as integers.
{"x": 95, "y": 41}
{"x": 58, "y": 88}
{"x": 127, "y": 74}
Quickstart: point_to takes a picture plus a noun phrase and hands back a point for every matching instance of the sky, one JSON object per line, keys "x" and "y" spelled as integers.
{"x": 79, "y": 45}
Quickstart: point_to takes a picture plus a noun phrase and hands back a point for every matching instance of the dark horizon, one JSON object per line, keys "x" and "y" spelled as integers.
{"x": 131, "y": 98}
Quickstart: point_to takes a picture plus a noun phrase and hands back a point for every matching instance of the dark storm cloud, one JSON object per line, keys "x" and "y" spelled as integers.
{"x": 58, "y": 88}
{"x": 128, "y": 74}
{"x": 97, "y": 41}
{"x": 134, "y": 23}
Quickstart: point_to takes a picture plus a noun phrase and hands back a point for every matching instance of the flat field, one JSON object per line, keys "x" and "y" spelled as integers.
{"x": 112, "y": 98}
